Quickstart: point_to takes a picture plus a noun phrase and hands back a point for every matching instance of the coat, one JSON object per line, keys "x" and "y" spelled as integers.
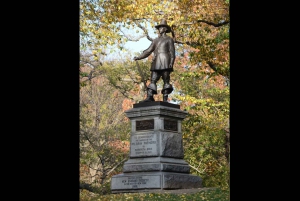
{"x": 164, "y": 53}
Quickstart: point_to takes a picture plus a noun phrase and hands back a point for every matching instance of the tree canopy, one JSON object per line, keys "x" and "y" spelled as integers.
{"x": 200, "y": 24}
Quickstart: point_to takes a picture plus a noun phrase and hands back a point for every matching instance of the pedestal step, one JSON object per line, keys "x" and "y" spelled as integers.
{"x": 135, "y": 182}
{"x": 156, "y": 164}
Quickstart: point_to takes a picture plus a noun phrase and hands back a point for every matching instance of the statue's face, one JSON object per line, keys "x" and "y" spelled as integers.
{"x": 162, "y": 29}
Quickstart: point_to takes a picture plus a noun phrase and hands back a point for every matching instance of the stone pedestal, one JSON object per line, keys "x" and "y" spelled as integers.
{"x": 156, "y": 151}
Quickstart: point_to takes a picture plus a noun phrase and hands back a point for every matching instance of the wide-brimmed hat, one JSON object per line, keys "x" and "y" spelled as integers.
{"x": 163, "y": 23}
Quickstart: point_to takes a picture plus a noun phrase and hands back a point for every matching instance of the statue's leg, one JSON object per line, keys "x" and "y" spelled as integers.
{"x": 152, "y": 88}
{"x": 155, "y": 75}
{"x": 168, "y": 88}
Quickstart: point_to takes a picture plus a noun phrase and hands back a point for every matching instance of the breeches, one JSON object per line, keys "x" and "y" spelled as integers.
{"x": 164, "y": 74}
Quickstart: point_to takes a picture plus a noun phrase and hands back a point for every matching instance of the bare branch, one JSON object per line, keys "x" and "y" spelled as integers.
{"x": 211, "y": 65}
{"x": 122, "y": 91}
{"x": 214, "y": 24}
{"x": 145, "y": 31}
{"x": 179, "y": 42}
{"x": 209, "y": 23}
{"x": 193, "y": 44}
{"x": 159, "y": 12}
{"x": 214, "y": 67}
{"x": 97, "y": 169}
{"x": 89, "y": 79}
{"x": 144, "y": 80}
{"x": 86, "y": 55}
{"x": 95, "y": 147}
{"x": 131, "y": 38}
{"x": 132, "y": 79}
{"x": 197, "y": 169}
{"x": 116, "y": 166}
{"x": 149, "y": 38}
{"x": 139, "y": 19}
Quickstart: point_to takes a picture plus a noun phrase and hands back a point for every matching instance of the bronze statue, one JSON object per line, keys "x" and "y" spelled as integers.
{"x": 162, "y": 62}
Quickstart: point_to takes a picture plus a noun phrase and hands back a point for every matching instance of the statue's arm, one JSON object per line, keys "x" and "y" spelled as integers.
{"x": 172, "y": 52}
{"x": 146, "y": 52}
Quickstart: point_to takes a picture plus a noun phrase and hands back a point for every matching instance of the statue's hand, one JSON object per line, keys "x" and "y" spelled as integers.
{"x": 171, "y": 63}
{"x": 135, "y": 58}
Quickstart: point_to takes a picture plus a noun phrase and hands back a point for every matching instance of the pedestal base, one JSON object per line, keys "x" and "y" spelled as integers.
{"x": 152, "y": 164}
{"x": 156, "y": 151}
{"x": 140, "y": 181}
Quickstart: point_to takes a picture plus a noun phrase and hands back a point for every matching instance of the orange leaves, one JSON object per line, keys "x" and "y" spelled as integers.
{"x": 127, "y": 104}
{"x": 122, "y": 146}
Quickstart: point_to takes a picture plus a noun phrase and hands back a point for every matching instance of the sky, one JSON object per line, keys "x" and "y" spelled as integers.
{"x": 135, "y": 46}
{"x": 139, "y": 46}
{"x": 143, "y": 43}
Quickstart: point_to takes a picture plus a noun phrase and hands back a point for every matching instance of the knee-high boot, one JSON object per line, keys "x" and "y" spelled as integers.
{"x": 149, "y": 96}
{"x": 165, "y": 97}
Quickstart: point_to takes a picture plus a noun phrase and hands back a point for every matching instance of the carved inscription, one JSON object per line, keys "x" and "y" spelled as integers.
{"x": 134, "y": 181}
{"x": 143, "y": 145}
{"x": 170, "y": 125}
{"x": 145, "y": 124}
{"x": 129, "y": 182}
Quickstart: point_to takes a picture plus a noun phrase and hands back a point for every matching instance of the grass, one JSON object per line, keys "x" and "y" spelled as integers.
{"x": 215, "y": 194}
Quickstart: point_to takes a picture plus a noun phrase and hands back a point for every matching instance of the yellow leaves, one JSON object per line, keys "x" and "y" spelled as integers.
{"x": 171, "y": 23}
{"x": 148, "y": 8}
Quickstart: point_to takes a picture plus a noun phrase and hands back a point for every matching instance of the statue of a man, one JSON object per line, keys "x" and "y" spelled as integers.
{"x": 162, "y": 62}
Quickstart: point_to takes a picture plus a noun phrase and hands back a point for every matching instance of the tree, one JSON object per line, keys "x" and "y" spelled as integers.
{"x": 104, "y": 130}
{"x": 206, "y": 128}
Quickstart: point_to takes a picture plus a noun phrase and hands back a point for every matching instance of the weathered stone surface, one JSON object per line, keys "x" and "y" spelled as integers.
{"x": 175, "y": 168}
{"x": 148, "y": 167}
{"x": 156, "y": 143}
{"x": 144, "y": 167}
{"x": 171, "y": 145}
{"x": 172, "y": 181}
{"x": 155, "y": 160}
{"x": 135, "y": 182}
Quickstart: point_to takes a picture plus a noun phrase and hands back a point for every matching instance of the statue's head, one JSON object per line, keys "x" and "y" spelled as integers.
{"x": 163, "y": 23}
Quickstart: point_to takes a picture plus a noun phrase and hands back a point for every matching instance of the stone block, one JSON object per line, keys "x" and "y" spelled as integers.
{"x": 135, "y": 182}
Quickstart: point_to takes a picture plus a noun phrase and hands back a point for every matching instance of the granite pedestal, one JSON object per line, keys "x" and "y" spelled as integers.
{"x": 156, "y": 151}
